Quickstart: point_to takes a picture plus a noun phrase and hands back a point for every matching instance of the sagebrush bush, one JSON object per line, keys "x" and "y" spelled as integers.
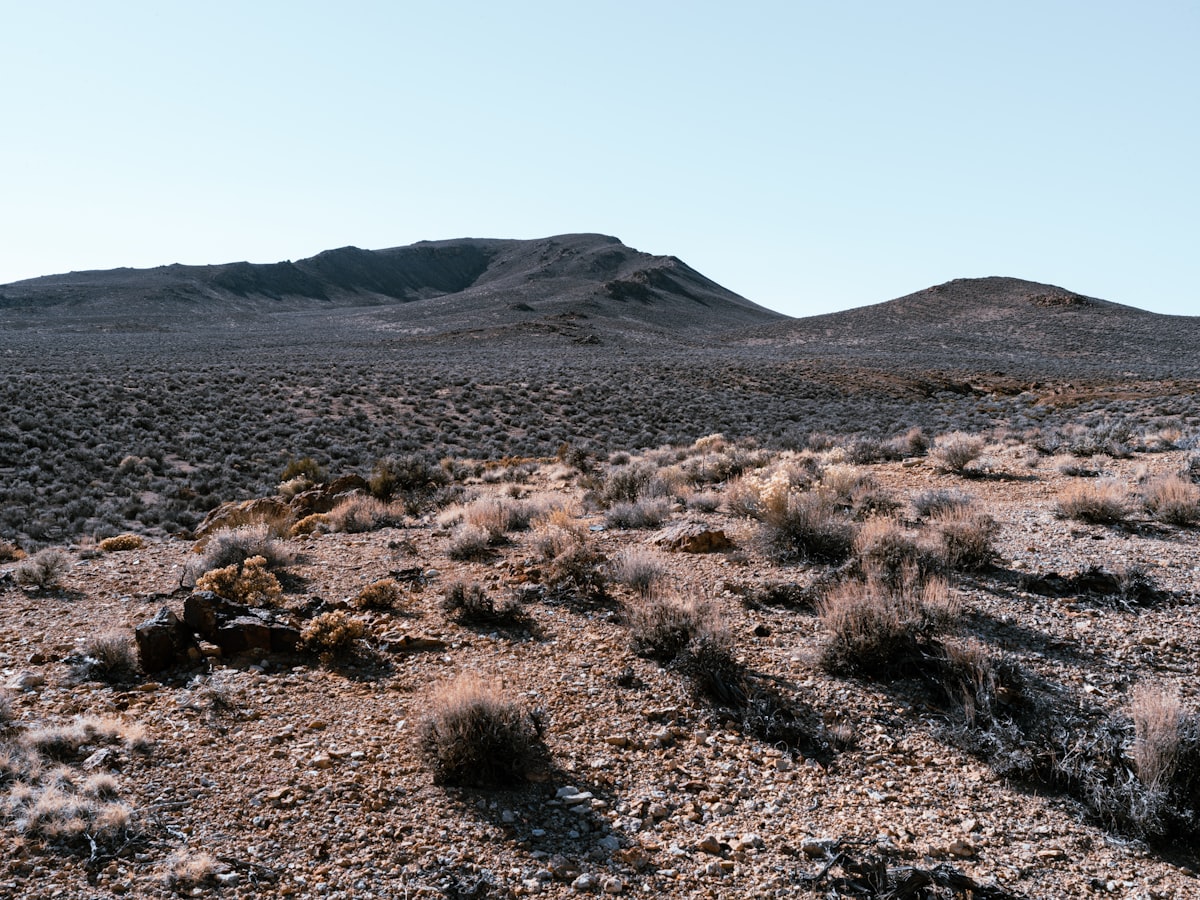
{"x": 469, "y": 542}
{"x": 638, "y": 569}
{"x": 886, "y": 547}
{"x": 638, "y": 514}
{"x": 307, "y": 468}
{"x": 122, "y": 542}
{"x": 966, "y": 539}
{"x": 878, "y": 630}
{"x": 809, "y": 526}
{"x": 472, "y": 735}
{"x": 470, "y": 604}
{"x": 333, "y": 636}
{"x": 1172, "y": 499}
{"x": 233, "y": 546}
{"x": 44, "y": 570}
{"x": 383, "y": 594}
{"x": 955, "y": 451}
{"x": 413, "y": 479}
{"x": 662, "y": 625}
{"x": 250, "y": 583}
{"x": 108, "y": 656}
{"x": 931, "y": 502}
{"x": 1103, "y": 502}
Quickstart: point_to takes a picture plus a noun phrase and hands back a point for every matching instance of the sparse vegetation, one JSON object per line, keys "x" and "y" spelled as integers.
{"x": 108, "y": 656}
{"x": 122, "y": 542}
{"x": 472, "y": 735}
{"x": 954, "y": 452}
{"x": 384, "y": 594}
{"x": 333, "y": 637}
{"x": 250, "y": 583}
{"x": 1173, "y": 500}
{"x": 42, "y": 571}
{"x": 470, "y": 604}
{"x": 1102, "y": 502}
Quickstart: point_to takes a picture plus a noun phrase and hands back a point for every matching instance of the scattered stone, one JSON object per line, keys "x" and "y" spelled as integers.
{"x": 27, "y": 681}
{"x": 709, "y": 844}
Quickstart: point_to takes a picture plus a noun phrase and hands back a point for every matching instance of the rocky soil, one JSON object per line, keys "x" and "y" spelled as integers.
{"x": 277, "y": 776}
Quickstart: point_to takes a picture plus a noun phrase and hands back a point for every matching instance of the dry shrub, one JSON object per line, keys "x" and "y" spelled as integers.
{"x": 939, "y": 500}
{"x": 955, "y": 451}
{"x": 186, "y": 869}
{"x": 108, "y": 656}
{"x": 44, "y": 570}
{"x": 63, "y": 742}
{"x": 475, "y": 736}
{"x": 574, "y": 569}
{"x": 638, "y": 514}
{"x": 638, "y": 569}
{"x": 333, "y": 636}
{"x": 250, "y": 583}
{"x": 881, "y": 631}
{"x": 855, "y": 490}
{"x": 662, "y": 625}
{"x": 628, "y": 483}
{"x": 122, "y": 542}
{"x": 471, "y": 605}
{"x": 500, "y": 515}
{"x": 887, "y": 548}
{"x": 469, "y": 542}
{"x": 1173, "y": 500}
{"x": 1103, "y": 502}
{"x": 704, "y": 501}
{"x": 966, "y": 539}
{"x": 383, "y": 594}
{"x": 233, "y": 546}
{"x": 809, "y": 526}
{"x": 361, "y": 513}
{"x": 1157, "y": 716}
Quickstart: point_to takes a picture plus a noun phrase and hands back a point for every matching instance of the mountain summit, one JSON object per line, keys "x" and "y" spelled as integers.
{"x": 450, "y": 281}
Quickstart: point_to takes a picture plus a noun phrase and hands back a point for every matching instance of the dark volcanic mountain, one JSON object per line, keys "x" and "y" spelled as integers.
{"x": 429, "y": 286}
{"x": 996, "y": 326}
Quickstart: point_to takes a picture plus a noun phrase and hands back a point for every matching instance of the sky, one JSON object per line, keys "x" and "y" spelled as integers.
{"x": 811, "y": 156}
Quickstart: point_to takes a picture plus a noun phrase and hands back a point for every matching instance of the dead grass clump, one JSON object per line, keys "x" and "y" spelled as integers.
{"x": 809, "y": 526}
{"x": 122, "y": 542}
{"x": 638, "y": 569}
{"x": 1173, "y": 500}
{"x": 333, "y": 636}
{"x": 955, "y": 451}
{"x": 108, "y": 656}
{"x": 186, "y": 869}
{"x": 966, "y": 539}
{"x": 384, "y": 594}
{"x": 474, "y": 736}
{"x": 42, "y": 571}
{"x": 249, "y": 583}
{"x": 638, "y": 514}
{"x": 880, "y": 631}
{"x": 1157, "y": 717}
{"x": 1102, "y": 502}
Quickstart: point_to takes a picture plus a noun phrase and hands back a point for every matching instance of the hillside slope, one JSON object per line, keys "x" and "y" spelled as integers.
{"x": 441, "y": 285}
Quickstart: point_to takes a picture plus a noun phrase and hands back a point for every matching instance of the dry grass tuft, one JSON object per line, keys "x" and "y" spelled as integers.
{"x": 474, "y": 736}
{"x": 638, "y": 569}
{"x": 1173, "y": 500}
{"x": 966, "y": 539}
{"x": 109, "y": 656}
{"x": 1103, "y": 502}
{"x": 1157, "y": 716}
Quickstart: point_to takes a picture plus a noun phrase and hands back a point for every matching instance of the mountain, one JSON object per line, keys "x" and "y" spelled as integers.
{"x": 997, "y": 325}
{"x": 438, "y": 285}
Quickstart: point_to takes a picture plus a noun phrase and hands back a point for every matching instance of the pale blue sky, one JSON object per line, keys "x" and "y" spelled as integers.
{"x": 810, "y": 156}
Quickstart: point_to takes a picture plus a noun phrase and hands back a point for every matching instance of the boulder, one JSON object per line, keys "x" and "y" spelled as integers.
{"x": 268, "y": 510}
{"x": 237, "y": 628}
{"x": 163, "y": 642}
{"x": 692, "y": 537}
